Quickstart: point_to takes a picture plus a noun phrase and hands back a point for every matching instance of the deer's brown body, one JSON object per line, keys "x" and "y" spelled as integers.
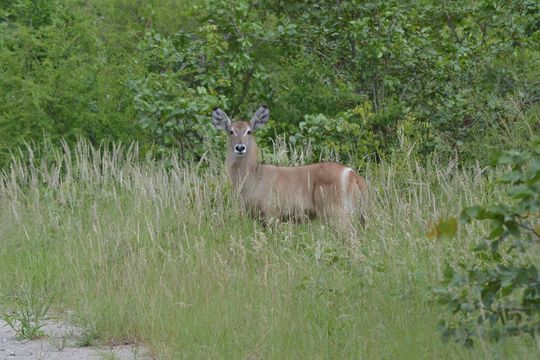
{"x": 329, "y": 190}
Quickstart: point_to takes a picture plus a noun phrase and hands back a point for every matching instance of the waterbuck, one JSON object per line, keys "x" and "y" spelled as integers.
{"x": 328, "y": 190}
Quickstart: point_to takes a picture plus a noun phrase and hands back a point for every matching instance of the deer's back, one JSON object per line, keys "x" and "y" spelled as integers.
{"x": 305, "y": 190}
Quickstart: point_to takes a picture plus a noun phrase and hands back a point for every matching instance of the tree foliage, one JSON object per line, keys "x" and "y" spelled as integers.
{"x": 442, "y": 74}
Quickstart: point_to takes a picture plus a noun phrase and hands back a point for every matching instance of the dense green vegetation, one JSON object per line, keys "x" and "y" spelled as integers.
{"x": 144, "y": 242}
{"x": 498, "y": 294}
{"x": 352, "y": 79}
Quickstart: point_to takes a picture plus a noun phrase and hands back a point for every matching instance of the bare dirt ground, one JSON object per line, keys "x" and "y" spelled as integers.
{"x": 60, "y": 343}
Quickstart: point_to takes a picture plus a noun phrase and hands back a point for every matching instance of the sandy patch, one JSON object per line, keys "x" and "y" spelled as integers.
{"x": 60, "y": 343}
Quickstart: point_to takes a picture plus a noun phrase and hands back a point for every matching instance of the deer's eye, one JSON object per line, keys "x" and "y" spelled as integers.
{"x": 249, "y": 132}
{"x": 231, "y": 132}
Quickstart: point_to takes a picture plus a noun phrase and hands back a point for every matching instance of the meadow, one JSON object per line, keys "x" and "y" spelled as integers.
{"x": 159, "y": 253}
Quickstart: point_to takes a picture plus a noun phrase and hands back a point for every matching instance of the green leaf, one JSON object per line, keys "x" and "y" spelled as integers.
{"x": 473, "y": 212}
{"x": 513, "y": 228}
{"x": 448, "y": 272}
{"x": 512, "y": 176}
{"x": 511, "y": 158}
{"x": 520, "y": 192}
{"x": 497, "y": 231}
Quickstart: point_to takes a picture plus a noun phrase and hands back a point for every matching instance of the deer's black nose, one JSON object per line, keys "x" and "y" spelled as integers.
{"x": 240, "y": 148}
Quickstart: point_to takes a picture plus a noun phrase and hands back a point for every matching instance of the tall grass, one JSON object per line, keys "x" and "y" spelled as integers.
{"x": 158, "y": 253}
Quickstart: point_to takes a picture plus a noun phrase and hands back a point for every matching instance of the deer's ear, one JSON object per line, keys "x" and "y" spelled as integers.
{"x": 260, "y": 118}
{"x": 220, "y": 120}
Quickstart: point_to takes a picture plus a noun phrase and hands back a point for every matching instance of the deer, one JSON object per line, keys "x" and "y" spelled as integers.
{"x": 327, "y": 190}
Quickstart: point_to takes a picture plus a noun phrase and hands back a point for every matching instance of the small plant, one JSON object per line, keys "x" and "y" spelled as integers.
{"x": 498, "y": 294}
{"x": 30, "y": 311}
{"x": 89, "y": 337}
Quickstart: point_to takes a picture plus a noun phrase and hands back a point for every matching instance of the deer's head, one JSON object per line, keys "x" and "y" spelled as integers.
{"x": 240, "y": 132}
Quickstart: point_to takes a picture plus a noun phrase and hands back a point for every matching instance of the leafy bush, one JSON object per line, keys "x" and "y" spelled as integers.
{"x": 452, "y": 65}
{"x": 448, "y": 69}
{"x": 308, "y": 85}
{"x": 58, "y": 80}
{"x": 175, "y": 115}
{"x": 346, "y": 136}
{"x": 360, "y": 135}
{"x": 498, "y": 294}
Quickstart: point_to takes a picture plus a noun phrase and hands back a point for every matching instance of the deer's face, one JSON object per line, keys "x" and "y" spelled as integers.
{"x": 240, "y": 138}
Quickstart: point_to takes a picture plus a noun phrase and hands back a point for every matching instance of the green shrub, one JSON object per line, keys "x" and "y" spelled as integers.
{"x": 360, "y": 135}
{"x": 175, "y": 115}
{"x": 58, "y": 81}
{"x": 498, "y": 294}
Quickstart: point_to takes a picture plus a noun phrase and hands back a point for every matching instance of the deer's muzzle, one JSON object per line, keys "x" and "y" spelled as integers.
{"x": 240, "y": 149}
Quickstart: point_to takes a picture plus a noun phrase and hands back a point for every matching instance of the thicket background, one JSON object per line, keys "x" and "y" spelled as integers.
{"x": 350, "y": 79}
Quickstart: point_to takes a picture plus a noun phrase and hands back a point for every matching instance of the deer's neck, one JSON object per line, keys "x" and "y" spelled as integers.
{"x": 243, "y": 170}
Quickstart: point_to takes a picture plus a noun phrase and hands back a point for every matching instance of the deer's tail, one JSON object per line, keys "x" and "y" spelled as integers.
{"x": 355, "y": 196}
